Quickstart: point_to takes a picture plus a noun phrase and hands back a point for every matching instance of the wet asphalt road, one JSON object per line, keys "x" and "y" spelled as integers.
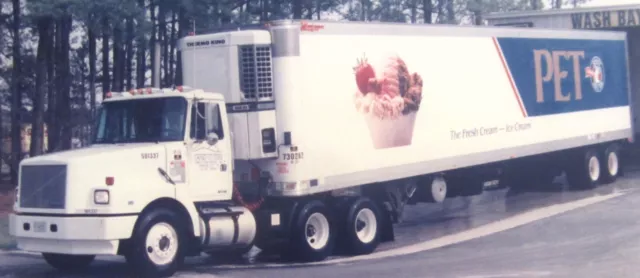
{"x": 595, "y": 240}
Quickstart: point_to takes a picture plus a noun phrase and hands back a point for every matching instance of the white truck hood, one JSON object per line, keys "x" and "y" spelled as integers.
{"x": 106, "y": 150}
{"x": 134, "y": 167}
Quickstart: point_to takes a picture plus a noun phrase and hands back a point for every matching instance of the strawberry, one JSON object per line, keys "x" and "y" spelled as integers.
{"x": 364, "y": 73}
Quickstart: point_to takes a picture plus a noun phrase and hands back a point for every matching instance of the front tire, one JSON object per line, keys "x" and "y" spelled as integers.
{"x": 360, "y": 230}
{"x": 68, "y": 263}
{"x": 158, "y": 247}
{"x": 312, "y": 234}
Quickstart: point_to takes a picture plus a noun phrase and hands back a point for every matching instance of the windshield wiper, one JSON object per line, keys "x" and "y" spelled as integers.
{"x": 166, "y": 176}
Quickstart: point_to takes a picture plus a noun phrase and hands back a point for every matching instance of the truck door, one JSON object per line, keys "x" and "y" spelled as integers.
{"x": 210, "y": 173}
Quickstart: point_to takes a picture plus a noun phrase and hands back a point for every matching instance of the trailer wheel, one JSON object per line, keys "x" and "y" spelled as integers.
{"x": 438, "y": 190}
{"x": 312, "y": 233}
{"x": 360, "y": 231}
{"x": 68, "y": 263}
{"x": 585, "y": 171}
{"x": 610, "y": 163}
{"x": 158, "y": 246}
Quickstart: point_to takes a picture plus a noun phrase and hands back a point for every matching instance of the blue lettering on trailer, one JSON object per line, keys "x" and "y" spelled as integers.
{"x": 552, "y": 76}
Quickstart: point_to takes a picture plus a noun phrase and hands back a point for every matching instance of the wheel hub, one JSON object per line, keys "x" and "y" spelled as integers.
{"x": 317, "y": 231}
{"x": 594, "y": 168}
{"x": 438, "y": 189}
{"x": 311, "y": 231}
{"x": 612, "y": 163}
{"x": 366, "y": 225}
{"x": 360, "y": 225}
{"x": 162, "y": 244}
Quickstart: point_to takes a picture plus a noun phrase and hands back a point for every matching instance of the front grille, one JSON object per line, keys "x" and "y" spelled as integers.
{"x": 43, "y": 186}
{"x": 256, "y": 77}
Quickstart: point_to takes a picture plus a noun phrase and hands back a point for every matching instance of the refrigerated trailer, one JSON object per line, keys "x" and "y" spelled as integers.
{"x": 333, "y": 128}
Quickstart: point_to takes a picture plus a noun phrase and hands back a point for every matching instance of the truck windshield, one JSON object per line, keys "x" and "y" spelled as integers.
{"x": 141, "y": 120}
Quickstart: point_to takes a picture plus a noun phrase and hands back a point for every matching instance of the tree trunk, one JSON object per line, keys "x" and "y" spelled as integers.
{"x": 182, "y": 31}
{"x": 105, "y": 57}
{"x": 152, "y": 43}
{"x": 441, "y": 13}
{"x": 64, "y": 106}
{"x": 477, "y": 14}
{"x": 427, "y": 11}
{"x": 92, "y": 70}
{"x": 309, "y": 7}
{"x": 162, "y": 36}
{"x": 297, "y": 9}
{"x": 141, "y": 56}
{"x": 535, "y": 4}
{"x": 414, "y": 11}
{"x": 172, "y": 42}
{"x": 44, "y": 26}
{"x": 275, "y": 8}
{"x": 117, "y": 59}
{"x": 16, "y": 96}
{"x": 122, "y": 58}
{"x": 264, "y": 11}
{"x": 129, "y": 60}
{"x": 451, "y": 15}
{"x": 52, "y": 79}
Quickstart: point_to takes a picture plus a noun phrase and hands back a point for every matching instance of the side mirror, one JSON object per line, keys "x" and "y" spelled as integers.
{"x": 212, "y": 138}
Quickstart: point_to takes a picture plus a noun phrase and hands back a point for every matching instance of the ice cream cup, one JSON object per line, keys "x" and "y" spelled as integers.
{"x": 391, "y": 132}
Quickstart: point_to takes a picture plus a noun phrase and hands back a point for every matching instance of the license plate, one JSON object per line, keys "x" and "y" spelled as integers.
{"x": 39, "y": 226}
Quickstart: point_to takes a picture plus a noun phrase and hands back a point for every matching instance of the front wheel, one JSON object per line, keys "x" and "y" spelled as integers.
{"x": 158, "y": 245}
{"x": 68, "y": 263}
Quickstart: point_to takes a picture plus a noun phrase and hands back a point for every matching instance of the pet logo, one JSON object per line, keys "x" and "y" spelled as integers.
{"x": 595, "y": 72}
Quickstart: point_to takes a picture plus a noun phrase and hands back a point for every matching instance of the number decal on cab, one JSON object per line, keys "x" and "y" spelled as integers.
{"x": 149, "y": 155}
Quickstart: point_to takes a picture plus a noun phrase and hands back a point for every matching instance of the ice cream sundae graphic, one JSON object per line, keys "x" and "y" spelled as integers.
{"x": 389, "y": 100}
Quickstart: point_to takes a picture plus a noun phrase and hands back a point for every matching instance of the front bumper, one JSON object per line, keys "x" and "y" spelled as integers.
{"x": 71, "y": 235}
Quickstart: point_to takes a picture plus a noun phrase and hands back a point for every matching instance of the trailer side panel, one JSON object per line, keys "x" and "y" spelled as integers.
{"x": 479, "y": 99}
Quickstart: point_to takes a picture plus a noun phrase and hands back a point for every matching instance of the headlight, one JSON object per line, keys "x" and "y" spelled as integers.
{"x": 101, "y": 197}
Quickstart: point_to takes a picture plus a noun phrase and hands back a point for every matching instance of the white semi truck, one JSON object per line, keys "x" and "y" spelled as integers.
{"x": 308, "y": 137}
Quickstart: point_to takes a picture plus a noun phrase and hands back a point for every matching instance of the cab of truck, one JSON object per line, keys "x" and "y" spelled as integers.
{"x": 148, "y": 145}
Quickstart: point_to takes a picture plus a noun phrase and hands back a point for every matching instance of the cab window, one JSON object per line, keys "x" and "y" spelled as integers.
{"x": 206, "y": 118}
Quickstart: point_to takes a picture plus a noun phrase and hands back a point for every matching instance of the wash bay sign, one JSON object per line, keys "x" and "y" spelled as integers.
{"x": 606, "y": 19}
{"x": 619, "y": 16}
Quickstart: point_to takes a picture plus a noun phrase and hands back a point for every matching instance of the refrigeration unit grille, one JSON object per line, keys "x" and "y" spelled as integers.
{"x": 256, "y": 76}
